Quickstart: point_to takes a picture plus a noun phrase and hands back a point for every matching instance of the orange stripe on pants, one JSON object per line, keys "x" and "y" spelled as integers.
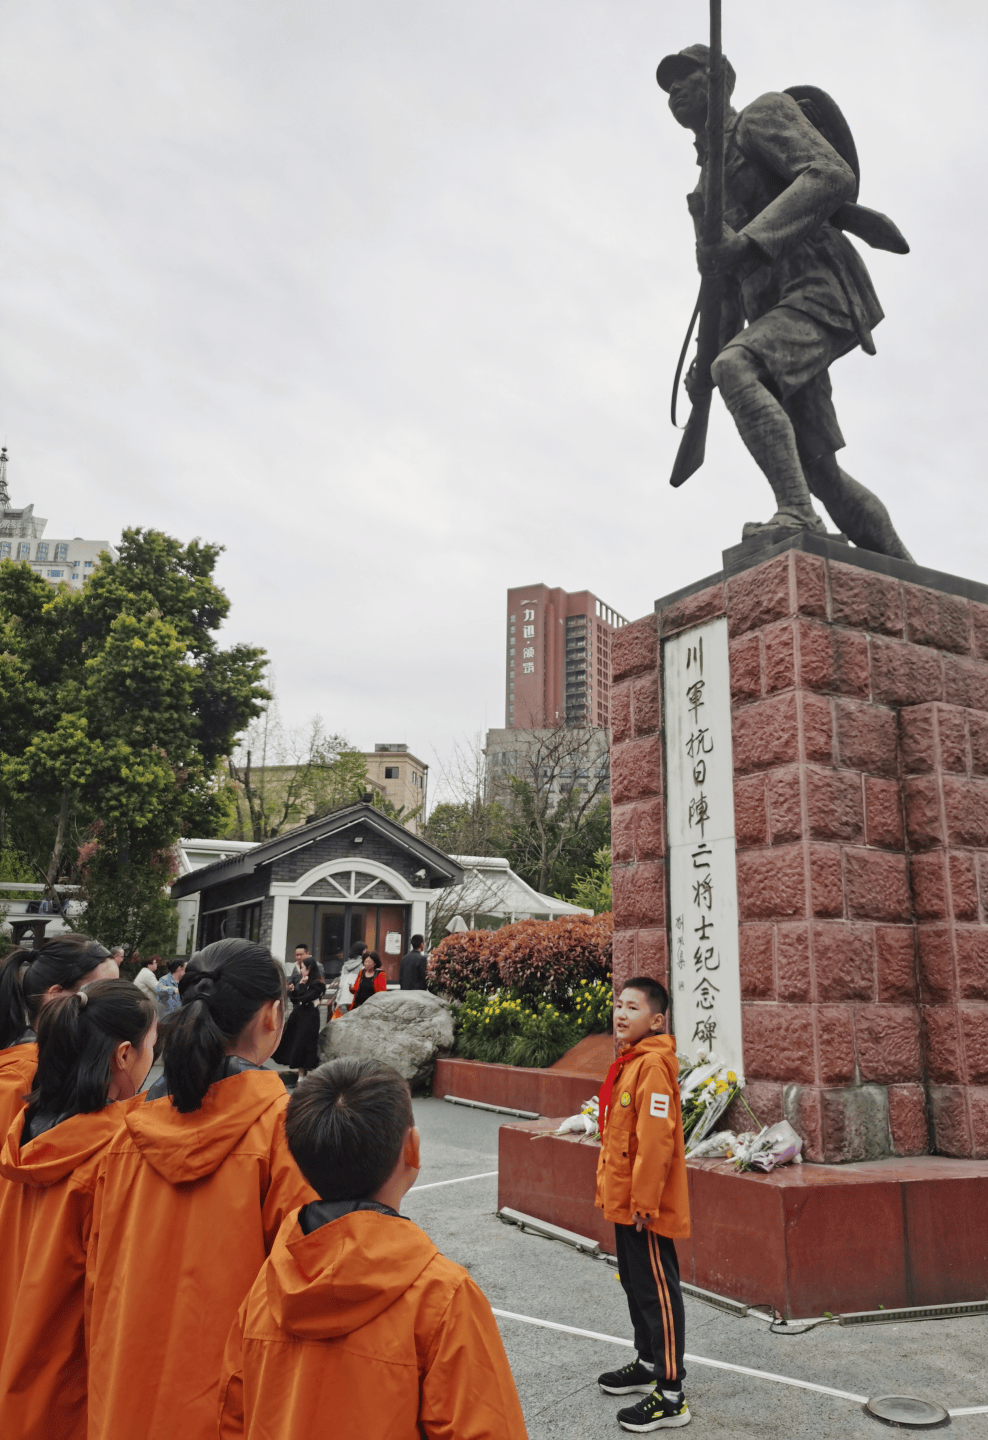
{"x": 668, "y": 1331}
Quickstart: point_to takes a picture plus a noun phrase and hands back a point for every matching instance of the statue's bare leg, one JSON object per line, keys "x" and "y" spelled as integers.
{"x": 769, "y": 436}
{"x": 854, "y": 509}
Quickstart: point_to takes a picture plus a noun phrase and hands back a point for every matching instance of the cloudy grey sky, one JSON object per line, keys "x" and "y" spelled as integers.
{"x": 386, "y": 295}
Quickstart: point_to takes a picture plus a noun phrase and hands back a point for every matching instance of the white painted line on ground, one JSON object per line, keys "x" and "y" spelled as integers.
{"x": 718, "y": 1364}
{"x": 460, "y": 1180}
{"x": 693, "y": 1359}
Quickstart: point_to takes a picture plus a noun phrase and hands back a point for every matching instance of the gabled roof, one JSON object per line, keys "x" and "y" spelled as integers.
{"x": 442, "y": 870}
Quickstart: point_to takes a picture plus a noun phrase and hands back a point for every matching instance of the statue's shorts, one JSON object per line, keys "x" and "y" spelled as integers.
{"x": 794, "y": 353}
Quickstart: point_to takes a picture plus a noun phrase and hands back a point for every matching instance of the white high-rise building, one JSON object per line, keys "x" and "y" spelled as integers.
{"x": 22, "y": 537}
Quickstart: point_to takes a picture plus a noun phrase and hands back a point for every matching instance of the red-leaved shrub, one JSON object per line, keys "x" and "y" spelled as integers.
{"x": 549, "y": 957}
{"x": 464, "y": 962}
{"x": 545, "y": 958}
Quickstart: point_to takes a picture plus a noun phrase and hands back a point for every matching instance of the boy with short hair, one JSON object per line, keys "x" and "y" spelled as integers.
{"x": 356, "y": 1325}
{"x": 641, "y": 1188}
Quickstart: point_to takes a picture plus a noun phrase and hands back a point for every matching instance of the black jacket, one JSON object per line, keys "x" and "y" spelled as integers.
{"x": 411, "y": 975}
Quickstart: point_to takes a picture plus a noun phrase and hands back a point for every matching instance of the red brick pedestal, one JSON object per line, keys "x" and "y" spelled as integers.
{"x": 806, "y": 1239}
{"x": 860, "y": 731}
{"x": 860, "y": 737}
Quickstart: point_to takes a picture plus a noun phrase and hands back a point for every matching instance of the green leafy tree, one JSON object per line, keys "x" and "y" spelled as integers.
{"x": 139, "y": 915}
{"x": 592, "y": 889}
{"x": 470, "y": 827}
{"x": 121, "y": 706}
{"x": 551, "y": 845}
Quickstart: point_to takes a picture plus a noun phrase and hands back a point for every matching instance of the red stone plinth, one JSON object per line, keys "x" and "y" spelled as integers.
{"x": 542, "y": 1092}
{"x": 860, "y": 732}
{"x": 806, "y": 1239}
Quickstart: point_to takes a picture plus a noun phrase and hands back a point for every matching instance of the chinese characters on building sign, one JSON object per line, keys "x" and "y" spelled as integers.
{"x": 705, "y": 981}
{"x": 528, "y": 654}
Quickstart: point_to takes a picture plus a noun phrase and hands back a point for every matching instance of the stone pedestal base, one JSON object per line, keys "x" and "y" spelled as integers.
{"x": 859, "y": 711}
{"x": 805, "y": 1240}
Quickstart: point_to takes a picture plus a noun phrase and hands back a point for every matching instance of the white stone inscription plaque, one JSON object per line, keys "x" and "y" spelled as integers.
{"x": 703, "y": 892}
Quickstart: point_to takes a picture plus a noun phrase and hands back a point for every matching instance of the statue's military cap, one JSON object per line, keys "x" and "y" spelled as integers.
{"x": 694, "y": 57}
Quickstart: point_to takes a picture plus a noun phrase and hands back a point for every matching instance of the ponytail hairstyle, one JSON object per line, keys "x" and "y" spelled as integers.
{"x": 77, "y": 1035}
{"x": 222, "y": 990}
{"x": 25, "y": 975}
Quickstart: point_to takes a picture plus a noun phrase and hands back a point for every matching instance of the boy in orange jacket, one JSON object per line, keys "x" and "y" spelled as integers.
{"x": 641, "y": 1188}
{"x": 356, "y": 1325}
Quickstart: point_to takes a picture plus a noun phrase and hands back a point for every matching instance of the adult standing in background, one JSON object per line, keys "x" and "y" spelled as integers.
{"x": 333, "y": 966}
{"x": 369, "y": 979}
{"x": 351, "y": 968}
{"x": 298, "y": 1047}
{"x": 411, "y": 973}
{"x": 147, "y": 979}
{"x": 168, "y": 996}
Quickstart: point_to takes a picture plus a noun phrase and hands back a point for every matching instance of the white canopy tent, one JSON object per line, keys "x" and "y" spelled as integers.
{"x": 491, "y": 891}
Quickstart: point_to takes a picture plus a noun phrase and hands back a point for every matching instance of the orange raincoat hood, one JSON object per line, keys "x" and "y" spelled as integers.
{"x": 361, "y": 1328}
{"x": 345, "y": 1273}
{"x": 191, "y": 1147}
{"x": 56, "y": 1153}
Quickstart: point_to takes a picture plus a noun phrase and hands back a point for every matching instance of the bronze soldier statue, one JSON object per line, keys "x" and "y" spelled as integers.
{"x": 795, "y": 294}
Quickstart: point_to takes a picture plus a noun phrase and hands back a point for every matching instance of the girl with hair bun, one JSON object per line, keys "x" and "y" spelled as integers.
{"x": 191, "y": 1196}
{"x": 94, "y": 1047}
{"x": 28, "y": 980}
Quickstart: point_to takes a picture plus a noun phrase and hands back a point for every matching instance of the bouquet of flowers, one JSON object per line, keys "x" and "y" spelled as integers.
{"x": 586, "y": 1123}
{"x": 706, "y": 1088}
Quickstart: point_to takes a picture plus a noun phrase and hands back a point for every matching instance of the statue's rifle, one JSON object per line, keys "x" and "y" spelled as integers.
{"x": 689, "y": 457}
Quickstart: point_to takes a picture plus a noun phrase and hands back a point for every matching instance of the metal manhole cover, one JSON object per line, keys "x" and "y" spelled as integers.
{"x": 907, "y": 1411}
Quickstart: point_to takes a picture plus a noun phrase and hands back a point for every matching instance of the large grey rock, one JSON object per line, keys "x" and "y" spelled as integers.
{"x": 408, "y": 1029}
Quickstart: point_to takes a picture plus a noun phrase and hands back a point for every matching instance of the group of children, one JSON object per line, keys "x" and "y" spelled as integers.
{"x": 208, "y": 1257}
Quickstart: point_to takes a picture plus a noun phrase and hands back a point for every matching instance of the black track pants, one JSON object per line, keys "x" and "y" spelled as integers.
{"x": 649, "y": 1271}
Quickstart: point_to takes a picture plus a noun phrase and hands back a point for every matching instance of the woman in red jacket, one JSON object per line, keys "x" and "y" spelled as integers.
{"x": 28, "y": 980}
{"x": 94, "y": 1047}
{"x": 189, "y": 1201}
{"x": 369, "y": 980}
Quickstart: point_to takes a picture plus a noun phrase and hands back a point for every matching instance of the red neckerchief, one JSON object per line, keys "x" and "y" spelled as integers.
{"x": 606, "y": 1090}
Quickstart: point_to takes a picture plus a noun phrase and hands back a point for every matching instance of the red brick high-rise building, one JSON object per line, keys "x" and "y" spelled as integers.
{"x": 557, "y": 660}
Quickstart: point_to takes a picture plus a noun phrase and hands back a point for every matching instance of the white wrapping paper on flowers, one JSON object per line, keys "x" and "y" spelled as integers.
{"x": 774, "y": 1145}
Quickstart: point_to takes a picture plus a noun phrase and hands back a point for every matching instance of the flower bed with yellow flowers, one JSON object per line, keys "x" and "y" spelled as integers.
{"x": 508, "y": 1028}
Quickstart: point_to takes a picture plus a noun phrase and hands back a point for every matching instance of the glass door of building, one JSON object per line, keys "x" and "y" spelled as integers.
{"x": 382, "y": 928}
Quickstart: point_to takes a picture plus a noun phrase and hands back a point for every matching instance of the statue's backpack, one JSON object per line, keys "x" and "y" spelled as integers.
{"x": 825, "y": 115}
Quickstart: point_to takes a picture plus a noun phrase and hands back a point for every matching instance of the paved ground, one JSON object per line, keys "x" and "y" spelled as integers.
{"x": 556, "y": 1373}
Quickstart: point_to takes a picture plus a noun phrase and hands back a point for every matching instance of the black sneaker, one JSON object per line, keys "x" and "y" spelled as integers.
{"x": 655, "y": 1412}
{"x": 633, "y": 1379}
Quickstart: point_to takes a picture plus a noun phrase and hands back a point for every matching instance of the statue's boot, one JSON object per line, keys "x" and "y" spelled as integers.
{"x": 788, "y": 521}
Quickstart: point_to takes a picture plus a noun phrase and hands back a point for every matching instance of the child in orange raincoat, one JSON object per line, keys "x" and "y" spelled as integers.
{"x": 356, "y": 1325}
{"x": 93, "y": 1047}
{"x": 641, "y": 1188}
{"x": 190, "y": 1198}
{"x": 28, "y": 980}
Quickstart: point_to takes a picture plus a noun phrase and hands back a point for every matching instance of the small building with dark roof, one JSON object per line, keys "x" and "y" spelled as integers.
{"x": 352, "y": 875}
